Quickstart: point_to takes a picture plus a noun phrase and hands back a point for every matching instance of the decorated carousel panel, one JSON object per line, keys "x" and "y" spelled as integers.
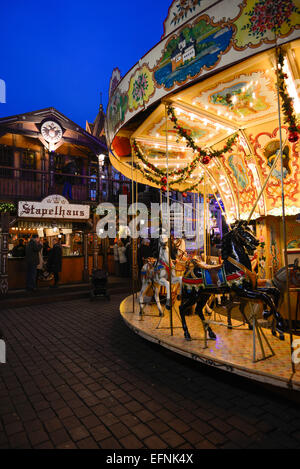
{"x": 213, "y": 110}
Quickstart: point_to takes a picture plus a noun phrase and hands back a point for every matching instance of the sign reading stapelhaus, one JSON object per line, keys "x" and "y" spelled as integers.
{"x": 54, "y": 206}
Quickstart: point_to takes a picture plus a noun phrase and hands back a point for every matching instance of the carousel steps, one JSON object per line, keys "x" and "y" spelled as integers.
{"x": 45, "y": 295}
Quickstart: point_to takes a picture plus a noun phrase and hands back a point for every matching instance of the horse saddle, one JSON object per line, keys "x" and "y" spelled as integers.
{"x": 212, "y": 275}
{"x": 211, "y": 264}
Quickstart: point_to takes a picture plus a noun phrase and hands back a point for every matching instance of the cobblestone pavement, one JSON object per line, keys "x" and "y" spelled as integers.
{"x": 77, "y": 377}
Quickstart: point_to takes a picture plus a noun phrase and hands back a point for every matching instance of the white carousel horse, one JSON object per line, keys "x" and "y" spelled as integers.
{"x": 156, "y": 275}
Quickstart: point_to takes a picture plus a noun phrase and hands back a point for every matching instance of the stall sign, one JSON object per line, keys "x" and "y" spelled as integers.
{"x": 53, "y": 207}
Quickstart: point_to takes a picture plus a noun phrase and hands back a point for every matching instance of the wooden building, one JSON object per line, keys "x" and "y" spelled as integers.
{"x": 46, "y": 158}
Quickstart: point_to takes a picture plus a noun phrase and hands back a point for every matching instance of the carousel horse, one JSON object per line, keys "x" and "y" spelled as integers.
{"x": 233, "y": 275}
{"x": 155, "y": 274}
{"x": 279, "y": 282}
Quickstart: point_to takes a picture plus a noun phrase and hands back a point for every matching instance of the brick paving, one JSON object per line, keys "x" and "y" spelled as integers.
{"x": 77, "y": 377}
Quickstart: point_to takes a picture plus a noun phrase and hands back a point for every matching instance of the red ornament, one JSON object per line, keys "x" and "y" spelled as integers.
{"x": 164, "y": 189}
{"x": 184, "y": 194}
{"x": 206, "y": 160}
{"x": 164, "y": 180}
{"x": 293, "y": 137}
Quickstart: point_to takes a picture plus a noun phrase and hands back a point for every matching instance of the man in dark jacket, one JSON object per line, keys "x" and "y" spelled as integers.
{"x": 32, "y": 260}
{"x": 54, "y": 263}
{"x": 19, "y": 250}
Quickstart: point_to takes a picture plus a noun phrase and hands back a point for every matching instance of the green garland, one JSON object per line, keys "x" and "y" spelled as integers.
{"x": 287, "y": 102}
{"x": 158, "y": 171}
{"x": 183, "y": 173}
{"x": 159, "y": 176}
{"x": 8, "y": 208}
{"x": 156, "y": 181}
{"x": 204, "y": 154}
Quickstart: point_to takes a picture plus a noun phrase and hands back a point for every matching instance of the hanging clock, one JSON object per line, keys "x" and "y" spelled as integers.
{"x": 51, "y": 132}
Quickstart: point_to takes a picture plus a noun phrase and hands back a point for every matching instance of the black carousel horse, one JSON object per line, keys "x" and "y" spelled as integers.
{"x": 233, "y": 275}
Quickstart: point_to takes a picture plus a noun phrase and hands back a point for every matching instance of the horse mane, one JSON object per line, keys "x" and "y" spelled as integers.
{"x": 226, "y": 249}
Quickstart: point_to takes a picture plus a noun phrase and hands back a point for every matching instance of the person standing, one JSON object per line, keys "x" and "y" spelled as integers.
{"x": 54, "y": 263}
{"x": 122, "y": 259}
{"x": 19, "y": 250}
{"x": 116, "y": 258}
{"x": 46, "y": 248}
{"x": 128, "y": 254}
{"x": 145, "y": 251}
{"x": 32, "y": 260}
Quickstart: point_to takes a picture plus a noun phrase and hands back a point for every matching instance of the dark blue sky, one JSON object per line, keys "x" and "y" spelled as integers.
{"x": 61, "y": 53}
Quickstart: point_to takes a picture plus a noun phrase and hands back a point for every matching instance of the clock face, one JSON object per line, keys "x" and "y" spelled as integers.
{"x": 51, "y": 131}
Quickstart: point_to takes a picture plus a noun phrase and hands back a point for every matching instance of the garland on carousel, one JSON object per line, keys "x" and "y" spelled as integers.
{"x": 287, "y": 102}
{"x": 160, "y": 172}
{"x": 204, "y": 156}
{"x": 164, "y": 181}
{"x": 158, "y": 175}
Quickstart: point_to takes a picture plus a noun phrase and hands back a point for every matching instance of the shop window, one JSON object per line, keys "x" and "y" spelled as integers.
{"x": 104, "y": 192}
{"x": 79, "y": 166}
{"x": 93, "y": 174}
{"x": 6, "y": 159}
{"x": 59, "y": 163}
{"x": 28, "y": 162}
{"x": 93, "y": 187}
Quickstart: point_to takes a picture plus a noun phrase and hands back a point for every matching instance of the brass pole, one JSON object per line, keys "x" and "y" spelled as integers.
{"x": 238, "y": 200}
{"x": 132, "y": 239}
{"x": 283, "y": 216}
{"x": 136, "y": 243}
{"x": 169, "y": 223}
{"x": 198, "y": 225}
{"x": 264, "y": 186}
{"x": 204, "y": 220}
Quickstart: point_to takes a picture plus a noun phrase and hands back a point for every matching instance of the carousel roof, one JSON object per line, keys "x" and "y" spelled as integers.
{"x": 219, "y": 76}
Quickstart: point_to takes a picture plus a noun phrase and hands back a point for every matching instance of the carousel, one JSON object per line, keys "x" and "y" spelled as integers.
{"x": 213, "y": 110}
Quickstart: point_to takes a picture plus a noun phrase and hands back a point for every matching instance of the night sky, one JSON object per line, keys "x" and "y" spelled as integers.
{"x": 61, "y": 53}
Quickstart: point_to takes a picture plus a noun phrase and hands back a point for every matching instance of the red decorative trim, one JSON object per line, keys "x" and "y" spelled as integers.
{"x": 165, "y": 266}
{"x": 235, "y": 276}
{"x": 192, "y": 281}
{"x": 199, "y": 281}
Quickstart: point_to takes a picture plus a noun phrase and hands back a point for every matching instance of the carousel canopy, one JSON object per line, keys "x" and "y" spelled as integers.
{"x": 204, "y": 104}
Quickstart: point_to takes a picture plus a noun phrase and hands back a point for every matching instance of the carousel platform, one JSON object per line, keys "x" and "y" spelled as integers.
{"x": 232, "y": 351}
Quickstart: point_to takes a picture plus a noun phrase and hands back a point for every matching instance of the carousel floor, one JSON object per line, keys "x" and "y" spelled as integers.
{"x": 232, "y": 351}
